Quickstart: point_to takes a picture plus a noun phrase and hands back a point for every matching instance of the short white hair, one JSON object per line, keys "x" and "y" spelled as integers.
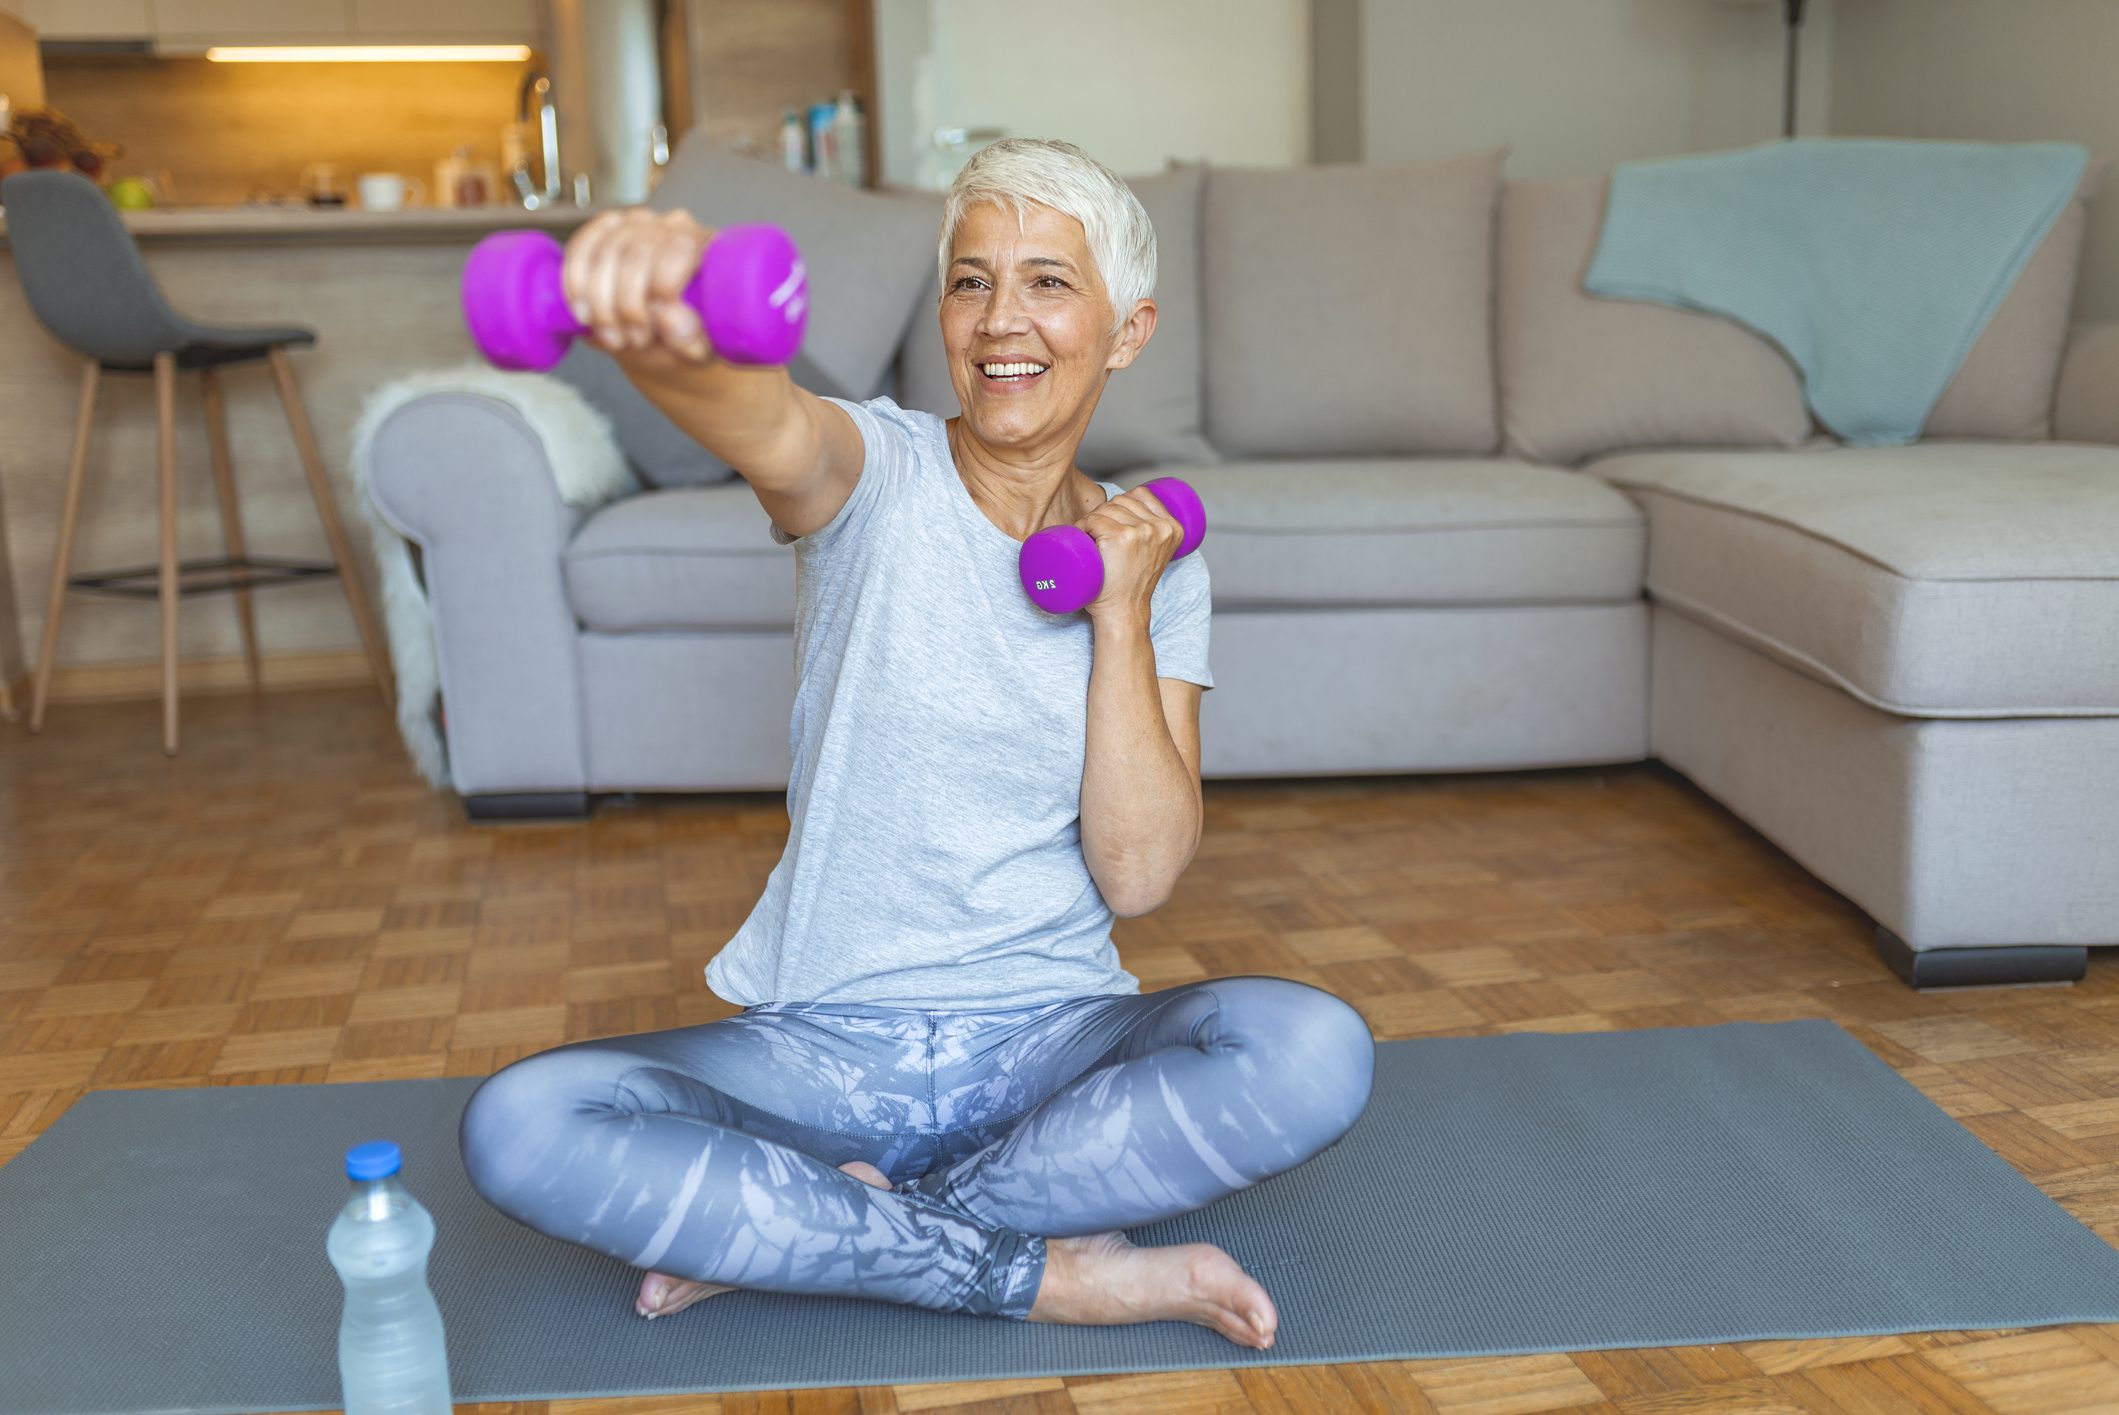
{"x": 1015, "y": 171}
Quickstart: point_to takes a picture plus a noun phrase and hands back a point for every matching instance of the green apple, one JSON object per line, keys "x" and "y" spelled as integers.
{"x": 132, "y": 194}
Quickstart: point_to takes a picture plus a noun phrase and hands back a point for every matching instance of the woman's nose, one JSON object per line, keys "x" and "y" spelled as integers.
{"x": 1004, "y": 313}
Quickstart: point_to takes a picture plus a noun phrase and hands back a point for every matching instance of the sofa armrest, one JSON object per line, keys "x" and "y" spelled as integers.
{"x": 469, "y": 480}
{"x": 2086, "y": 407}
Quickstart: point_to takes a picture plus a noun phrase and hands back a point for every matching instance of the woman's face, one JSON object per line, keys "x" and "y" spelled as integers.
{"x": 1027, "y": 325}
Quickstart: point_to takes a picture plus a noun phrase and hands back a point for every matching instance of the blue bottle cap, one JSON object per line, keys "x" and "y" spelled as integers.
{"x": 378, "y": 1159}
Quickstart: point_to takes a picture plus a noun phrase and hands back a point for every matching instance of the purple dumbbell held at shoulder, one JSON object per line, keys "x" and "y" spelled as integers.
{"x": 1062, "y": 570}
{"x": 751, "y": 293}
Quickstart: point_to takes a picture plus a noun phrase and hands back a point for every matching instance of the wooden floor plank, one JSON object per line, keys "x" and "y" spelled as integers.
{"x": 284, "y": 903}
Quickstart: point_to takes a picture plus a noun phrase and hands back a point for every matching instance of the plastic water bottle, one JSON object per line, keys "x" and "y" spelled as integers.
{"x": 391, "y": 1356}
{"x": 847, "y": 138}
{"x": 823, "y": 142}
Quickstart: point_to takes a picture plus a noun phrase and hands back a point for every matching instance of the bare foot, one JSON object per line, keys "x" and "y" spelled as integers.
{"x": 662, "y": 1295}
{"x": 1103, "y": 1280}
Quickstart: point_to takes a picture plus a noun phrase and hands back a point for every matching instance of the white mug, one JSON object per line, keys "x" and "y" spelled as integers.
{"x": 387, "y": 191}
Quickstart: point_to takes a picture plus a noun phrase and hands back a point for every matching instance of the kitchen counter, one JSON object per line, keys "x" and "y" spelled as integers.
{"x": 244, "y": 225}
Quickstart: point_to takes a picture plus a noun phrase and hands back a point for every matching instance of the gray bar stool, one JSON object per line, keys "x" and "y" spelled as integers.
{"x": 85, "y": 280}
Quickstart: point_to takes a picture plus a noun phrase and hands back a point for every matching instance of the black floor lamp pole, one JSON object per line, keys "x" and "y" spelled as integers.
{"x": 1795, "y": 48}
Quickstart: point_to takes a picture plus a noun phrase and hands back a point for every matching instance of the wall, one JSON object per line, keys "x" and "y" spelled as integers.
{"x": 1574, "y": 86}
{"x": 1976, "y": 69}
{"x": 1335, "y": 80}
{"x": 229, "y": 132}
{"x": 750, "y": 60}
{"x": 1134, "y": 82}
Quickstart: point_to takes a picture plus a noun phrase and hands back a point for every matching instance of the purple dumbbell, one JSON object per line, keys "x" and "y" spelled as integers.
{"x": 1060, "y": 566}
{"x": 751, "y": 294}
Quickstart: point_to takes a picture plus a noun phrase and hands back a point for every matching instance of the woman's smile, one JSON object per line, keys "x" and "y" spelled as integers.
{"x": 1009, "y": 375}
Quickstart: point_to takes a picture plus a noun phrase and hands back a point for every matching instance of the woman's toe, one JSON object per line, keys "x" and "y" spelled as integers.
{"x": 654, "y": 1291}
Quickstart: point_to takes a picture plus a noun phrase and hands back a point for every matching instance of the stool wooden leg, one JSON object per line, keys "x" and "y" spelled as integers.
{"x": 166, "y": 438}
{"x": 63, "y": 554}
{"x": 231, "y": 514}
{"x": 327, "y": 510}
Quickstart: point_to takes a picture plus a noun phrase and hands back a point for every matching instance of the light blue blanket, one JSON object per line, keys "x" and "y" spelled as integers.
{"x": 1874, "y": 263}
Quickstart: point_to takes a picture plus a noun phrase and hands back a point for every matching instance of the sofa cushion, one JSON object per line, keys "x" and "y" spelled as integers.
{"x": 1404, "y": 531}
{"x": 660, "y": 451}
{"x": 1940, "y": 580}
{"x": 2004, "y": 388}
{"x": 2086, "y": 405}
{"x": 689, "y": 558}
{"x": 1349, "y": 308}
{"x": 1583, "y": 376}
{"x": 1150, "y": 413}
{"x": 868, "y": 256}
{"x": 1371, "y": 532}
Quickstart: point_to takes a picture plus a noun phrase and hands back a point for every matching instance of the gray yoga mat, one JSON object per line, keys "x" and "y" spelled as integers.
{"x": 164, "y": 1250}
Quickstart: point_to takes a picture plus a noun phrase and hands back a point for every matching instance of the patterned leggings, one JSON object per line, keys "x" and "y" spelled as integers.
{"x": 711, "y": 1152}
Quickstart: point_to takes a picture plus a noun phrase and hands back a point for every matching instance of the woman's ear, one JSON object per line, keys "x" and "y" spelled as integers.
{"x": 1133, "y": 335}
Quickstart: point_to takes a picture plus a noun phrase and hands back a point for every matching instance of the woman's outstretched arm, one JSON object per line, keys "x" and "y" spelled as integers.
{"x": 624, "y": 276}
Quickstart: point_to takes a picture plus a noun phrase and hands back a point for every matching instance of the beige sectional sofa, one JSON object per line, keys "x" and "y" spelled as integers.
{"x": 1462, "y": 517}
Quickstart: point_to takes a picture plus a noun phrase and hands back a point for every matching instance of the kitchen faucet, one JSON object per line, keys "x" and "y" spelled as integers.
{"x": 538, "y": 84}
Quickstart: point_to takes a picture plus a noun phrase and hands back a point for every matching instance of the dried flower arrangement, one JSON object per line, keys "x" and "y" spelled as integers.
{"x": 45, "y": 137}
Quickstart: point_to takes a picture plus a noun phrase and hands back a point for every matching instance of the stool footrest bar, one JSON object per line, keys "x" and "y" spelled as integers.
{"x": 235, "y": 572}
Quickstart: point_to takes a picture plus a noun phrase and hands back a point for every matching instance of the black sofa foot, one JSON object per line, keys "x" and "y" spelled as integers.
{"x": 1981, "y": 967}
{"x": 538, "y": 806}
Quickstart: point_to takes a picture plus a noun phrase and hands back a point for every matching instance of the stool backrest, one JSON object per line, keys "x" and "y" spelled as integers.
{"x": 82, "y": 271}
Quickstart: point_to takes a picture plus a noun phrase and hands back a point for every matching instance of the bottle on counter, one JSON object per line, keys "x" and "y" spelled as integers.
{"x": 794, "y": 142}
{"x": 847, "y": 136}
{"x": 392, "y": 1358}
{"x": 823, "y": 152}
{"x": 658, "y": 155}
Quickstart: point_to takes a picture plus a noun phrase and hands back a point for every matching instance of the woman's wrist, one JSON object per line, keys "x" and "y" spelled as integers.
{"x": 1126, "y": 622}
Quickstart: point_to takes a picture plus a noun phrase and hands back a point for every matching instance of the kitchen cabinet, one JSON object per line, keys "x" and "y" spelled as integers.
{"x": 501, "y": 21}
{"x": 240, "y": 21}
{"x": 189, "y": 25}
{"x": 86, "y": 19}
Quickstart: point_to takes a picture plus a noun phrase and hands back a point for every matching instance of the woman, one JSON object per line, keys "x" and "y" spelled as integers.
{"x": 943, "y": 1089}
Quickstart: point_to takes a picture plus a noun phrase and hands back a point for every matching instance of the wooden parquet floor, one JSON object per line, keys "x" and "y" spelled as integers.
{"x": 286, "y": 903}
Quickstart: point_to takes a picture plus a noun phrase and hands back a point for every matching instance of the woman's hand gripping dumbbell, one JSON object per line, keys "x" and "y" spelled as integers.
{"x": 638, "y": 280}
{"x": 1062, "y": 568}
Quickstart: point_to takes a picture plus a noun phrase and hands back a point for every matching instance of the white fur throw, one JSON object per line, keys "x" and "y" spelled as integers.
{"x": 587, "y": 470}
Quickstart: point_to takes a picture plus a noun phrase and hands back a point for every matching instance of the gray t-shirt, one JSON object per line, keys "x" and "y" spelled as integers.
{"x": 935, "y": 856}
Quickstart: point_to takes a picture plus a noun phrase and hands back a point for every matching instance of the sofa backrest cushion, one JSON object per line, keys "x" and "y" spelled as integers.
{"x": 1349, "y": 308}
{"x": 660, "y": 451}
{"x": 2005, "y": 386}
{"x": 867, "y": 255}
{"x": 2086, "y": 408}
{"x": 1582, "y": 376}
{"x": 1150, "y": 413}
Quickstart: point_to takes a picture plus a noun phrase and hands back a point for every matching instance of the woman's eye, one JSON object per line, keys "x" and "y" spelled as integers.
{"x": 1052, "y": 280}
{"x": 965, "y": 283}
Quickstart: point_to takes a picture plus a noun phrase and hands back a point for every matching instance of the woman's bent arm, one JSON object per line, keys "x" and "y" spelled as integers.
{"x": 1141, "y": 805}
